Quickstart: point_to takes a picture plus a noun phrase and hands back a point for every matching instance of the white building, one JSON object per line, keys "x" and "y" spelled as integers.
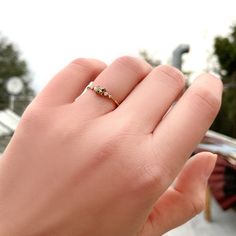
{"x": 8, "y": 123}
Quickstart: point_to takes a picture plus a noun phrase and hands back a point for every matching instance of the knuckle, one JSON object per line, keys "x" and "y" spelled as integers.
{"x": 174, "y": 75}
{"x": 135, "y": 175}
{"x": 194, "y": 202}
{"x": 151, "y": 177}
{"x": 107, "y": 147}
{"x": 85, "y": 64}
{"x": 127, "y": 125}
{"x": 31, "y": 118}
{"x": 105, "y": 150}
{"x": 205, "y": 98}
{"x": 197, "y": 206}
{"x": 135, "y": 65}
{"x": 35, "y": 118}
{"x": 158, "y": 174}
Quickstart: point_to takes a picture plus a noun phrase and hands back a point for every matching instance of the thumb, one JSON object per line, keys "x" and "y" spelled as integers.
{"x": 184, "y": 199}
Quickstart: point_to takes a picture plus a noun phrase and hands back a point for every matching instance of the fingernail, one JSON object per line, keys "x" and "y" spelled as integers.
{"x": 211, "y": 165}
{"x": 215, "y": 74}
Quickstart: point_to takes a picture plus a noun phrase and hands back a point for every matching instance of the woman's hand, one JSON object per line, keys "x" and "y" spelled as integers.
{"x": 79, "y": 165}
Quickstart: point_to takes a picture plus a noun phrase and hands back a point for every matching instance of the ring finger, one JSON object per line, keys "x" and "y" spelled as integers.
{"x": 119, "y": 79}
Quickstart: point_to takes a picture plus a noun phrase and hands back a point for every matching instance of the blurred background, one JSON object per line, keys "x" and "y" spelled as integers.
{"x": 38, "y": 38}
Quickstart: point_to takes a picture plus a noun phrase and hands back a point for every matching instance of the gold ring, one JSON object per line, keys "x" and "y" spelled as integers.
{"x": 102, "y": 92}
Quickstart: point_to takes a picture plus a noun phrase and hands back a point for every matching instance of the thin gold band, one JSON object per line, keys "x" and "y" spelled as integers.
{"x": 102, "y": 92}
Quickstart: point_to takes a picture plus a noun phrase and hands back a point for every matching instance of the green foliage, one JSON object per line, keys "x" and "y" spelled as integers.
{"x": 12, "y": 65}
{"x": 225, "y": 51}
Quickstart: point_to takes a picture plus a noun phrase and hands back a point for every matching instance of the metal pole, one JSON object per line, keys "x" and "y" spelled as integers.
{"x": 177, "y": 55}
{"x": 12, "y": 102}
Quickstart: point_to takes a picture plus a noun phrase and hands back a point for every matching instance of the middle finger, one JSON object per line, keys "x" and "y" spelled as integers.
{"x": 152, "y": 98}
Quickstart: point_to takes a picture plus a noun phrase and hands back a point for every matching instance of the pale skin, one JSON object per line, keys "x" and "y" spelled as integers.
{"x": 79, "y": 165}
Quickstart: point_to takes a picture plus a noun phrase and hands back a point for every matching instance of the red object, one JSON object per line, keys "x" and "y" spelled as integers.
{"x": 223, "y": 183}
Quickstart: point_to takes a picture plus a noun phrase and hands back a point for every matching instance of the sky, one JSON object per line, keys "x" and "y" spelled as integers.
{"x": 51, "y": 33}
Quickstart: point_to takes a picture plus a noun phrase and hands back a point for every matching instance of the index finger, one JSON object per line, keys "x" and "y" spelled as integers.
{"x": 177, "y": 135}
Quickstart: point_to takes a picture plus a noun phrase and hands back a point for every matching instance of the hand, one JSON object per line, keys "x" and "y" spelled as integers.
{"x": 77, "y": 165}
